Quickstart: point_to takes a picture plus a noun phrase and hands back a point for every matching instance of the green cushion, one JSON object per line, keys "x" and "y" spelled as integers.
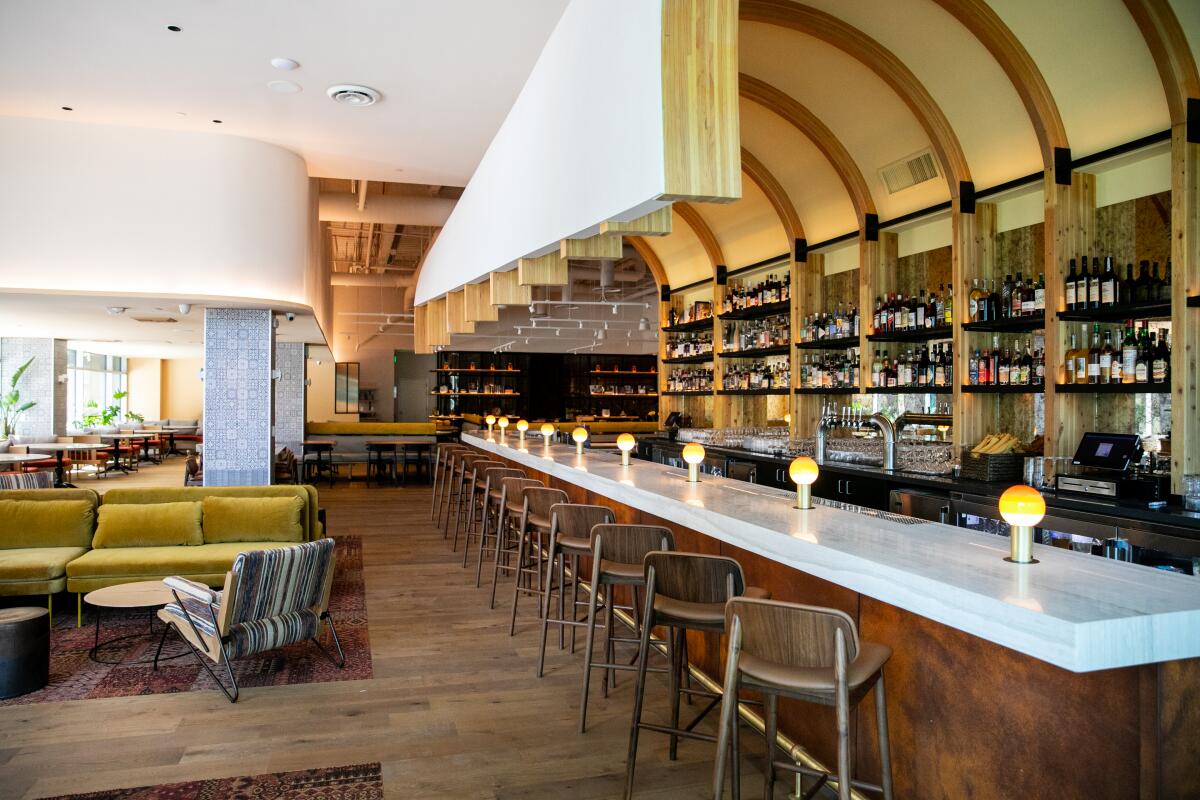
{"x": 151, "y": 525}
{"x": 253, "y": 519}
{"x": 46, "y": 523}
{"x": 160, "y": 562}
{"x": 36, "y": 563}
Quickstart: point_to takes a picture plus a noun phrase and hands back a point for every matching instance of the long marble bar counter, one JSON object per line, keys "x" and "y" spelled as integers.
{"x": 1077, "y": 612}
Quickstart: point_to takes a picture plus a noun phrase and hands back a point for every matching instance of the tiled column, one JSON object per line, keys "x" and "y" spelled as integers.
{"x": 289, "y": 396}
{"x": 238, "y": 350}
{"x": 40, "y": 384}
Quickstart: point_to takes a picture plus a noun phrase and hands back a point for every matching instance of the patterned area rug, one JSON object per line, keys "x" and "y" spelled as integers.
{"x": 356, "y": 782}
{"x": 75, "y": 676}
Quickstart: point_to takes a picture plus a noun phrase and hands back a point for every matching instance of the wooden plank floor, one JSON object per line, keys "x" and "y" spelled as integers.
{"x": 453, "y": 710}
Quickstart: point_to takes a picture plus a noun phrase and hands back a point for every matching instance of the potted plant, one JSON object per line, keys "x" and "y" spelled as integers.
{"x": 97, "y": 417}
{"x": 11, "y": 407}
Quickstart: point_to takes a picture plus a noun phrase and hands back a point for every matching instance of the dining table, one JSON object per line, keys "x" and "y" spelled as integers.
{"x": 60, "y": 449}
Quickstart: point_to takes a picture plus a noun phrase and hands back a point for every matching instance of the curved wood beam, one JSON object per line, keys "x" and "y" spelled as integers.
{"x": 653, "y": 262}
{"x": 776, "y": 194}
{"x": 833, "y": 31}
{"x": 689, "y": 214}
{"x": 785, "y": 106}
{"x": 986, "y": 25}
{"x": 1172, "y": 56}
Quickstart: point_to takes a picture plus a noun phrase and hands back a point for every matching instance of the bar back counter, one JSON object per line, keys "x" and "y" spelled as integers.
{"x": 1076, "y": 673}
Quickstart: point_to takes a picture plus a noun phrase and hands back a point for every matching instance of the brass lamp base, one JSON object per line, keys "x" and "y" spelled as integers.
{"x": 579, "y": 448}
{"x": 624, "y": 458}
{"x": 1021, "y": 545}
{"x": 803, "y": 497}
{"x": 693, "y": 473}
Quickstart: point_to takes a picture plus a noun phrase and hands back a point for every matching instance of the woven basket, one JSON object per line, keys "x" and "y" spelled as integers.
{"x": 992, "y": 467}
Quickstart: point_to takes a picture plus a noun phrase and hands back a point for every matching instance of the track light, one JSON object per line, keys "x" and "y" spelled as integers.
{"x": 532, "y": 308}
{"x": 643, "y": 324}
{"x": 600, "y": 335}
{"x": 614, "y": 308}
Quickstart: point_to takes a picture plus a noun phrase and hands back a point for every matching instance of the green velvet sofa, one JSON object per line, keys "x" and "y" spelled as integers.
{"x": 73, "y": 539}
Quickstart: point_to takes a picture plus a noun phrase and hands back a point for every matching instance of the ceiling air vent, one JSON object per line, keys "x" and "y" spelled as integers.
{"x": 155, "y": 319}
{"x": 909, "y": 171}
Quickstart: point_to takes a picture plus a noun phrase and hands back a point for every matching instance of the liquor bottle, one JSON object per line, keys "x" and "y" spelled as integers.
{"x": 1129, "y": 350}
{"x": 1027, "y": 364}
{"x": 948, "y": 309}
{"x": 1154, "y": 294}
{"x": 1126, "y": 287}
{"x": 1109, "y": 291}
{"x": 1006, "y": 296}
{"x": 993, "y": 309}
{"x": 1142, "y": 287}
{"x": 973, "y": 297}
{"x": 973, "y": 369}
{"x": 1094, "y": 280}
{"x": 672, "y": 318}
{"x": 1093, "y": 358}
{"x": 1039, "y": 293}
{"x": 994, "y": 360}
{"x": 1117, "y": 365}
{"x": 1069, "y": 286}
{"x": 1160, "y": 365}
{"x": 1106, "y": 359}
{"x": 922, "y": 307}
{"x": 1164, "y": 288}
{"x": 1081, "y": 357}
{"x": 1142, "y": 365}
{"x": 1003, "y": 368}
{"x": 1028, "y": 299}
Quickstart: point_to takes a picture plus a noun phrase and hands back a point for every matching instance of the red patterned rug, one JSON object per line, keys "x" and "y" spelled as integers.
{"x": 75, "y": 676}
{"x": 356, "y": 782}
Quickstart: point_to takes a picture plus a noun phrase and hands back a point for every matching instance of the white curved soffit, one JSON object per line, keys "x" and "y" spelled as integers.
{"x": 837, "y": 88}
{"x": 682, "y": 256}
{"x": 99, "y": 208}
{"x": 806, "y": 175}
{"x": 748, "y": 230}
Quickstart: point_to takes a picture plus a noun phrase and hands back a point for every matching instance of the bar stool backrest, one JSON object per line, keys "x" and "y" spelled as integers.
{"x": 629, "y": 544}
{"x": 478, "y": 468}
{"x": 542, "y": 499}
{"x": 577, "y": 519}
{"x": 513, "y": 488}
{"x": 695, "y": 577}
{"x": 792, "y": 634}
{"x": 494, "y": 475}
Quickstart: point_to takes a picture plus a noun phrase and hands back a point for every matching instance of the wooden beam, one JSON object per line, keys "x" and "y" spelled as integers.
{"x": 651, "y": 258}
{"x": 803, "y": 120}
{"x": 973, "y": 254}
{"x": 701, "y": 133}
{"x": 456, "y": 313}
{"x": 1185, "y": 330}
{"x": 547, "y": 270}
{"x": 601, "y": 247}
{"x": 833, "y": 31}
{"x": 478, "y": 302}
{"x": 656, "y": 223}
{"x": 420, "y": 331}
{"x": 688, "y": 213}
{"x": 1022, "y": 71}
{"x": 507, "y": 291}
{"x": 436, "y": 331}
{"x": 776, "y": 195}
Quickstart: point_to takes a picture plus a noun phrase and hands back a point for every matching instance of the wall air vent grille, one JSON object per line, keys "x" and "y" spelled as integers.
{"x": 909, "y": 171}
{"x": 155, "y": 319}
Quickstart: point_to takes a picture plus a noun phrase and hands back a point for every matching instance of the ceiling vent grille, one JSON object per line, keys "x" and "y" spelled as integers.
{"x": 155, "y": 319}
{"x": 909, "y": 171}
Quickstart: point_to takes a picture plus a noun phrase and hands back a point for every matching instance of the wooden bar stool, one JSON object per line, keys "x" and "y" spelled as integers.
{"x": 617, "y": 555}
{"x": 805, "y": 653}
{"x": 459, "y": 483}
{"x": 440, "y": 464}
{"x": 452, "y": 483}
{"x": 684, "y": 592}
{"x": 513, "y": 507}
{"x": 491, "y": 509}
{"x": 570, "y": 537}
{"x": 532, "y": 530}
{"x": 472, "y": 487}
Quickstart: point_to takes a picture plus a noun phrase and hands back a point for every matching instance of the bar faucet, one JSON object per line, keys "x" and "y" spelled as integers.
{"x": 888, "y": 431}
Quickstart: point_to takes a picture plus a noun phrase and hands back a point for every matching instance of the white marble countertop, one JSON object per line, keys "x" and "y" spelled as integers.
{"x": 1073, "y": 610}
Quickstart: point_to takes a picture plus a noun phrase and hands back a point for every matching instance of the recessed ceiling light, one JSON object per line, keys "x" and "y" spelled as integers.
{"x": 217, "y": 121}
{"x": 287, "y": 87}
{"x": 284, "y": 63}
{"x": 174, "y": 28}
{"x": 353, "y": 95}
{"x": 67, "y": 108}
{"x": 181, "y": 113}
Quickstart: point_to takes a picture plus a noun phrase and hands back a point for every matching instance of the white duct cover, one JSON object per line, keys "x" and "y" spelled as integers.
{"x": 385, "y": 281}
{"x": 386, "y": 209}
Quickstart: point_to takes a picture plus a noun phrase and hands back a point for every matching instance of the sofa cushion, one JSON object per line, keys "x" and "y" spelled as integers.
{"x": 161, "y": 562}
{"x": 46, "y": 523}
{"x": 253, "y": 519}
{"x": 164, "y": 494}
{"x": 149, "y": 525}
{"x": 36, "y": 563}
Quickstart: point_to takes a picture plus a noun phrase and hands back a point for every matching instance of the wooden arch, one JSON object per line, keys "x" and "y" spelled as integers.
{"x": 1172, "y": 57}
{"x": 689, "y": 214}
{"x": 653, "y": 262}
{"x": 787, "y": 107}
{"x": 776, "y": 195}
{"x": 882, "y": 62}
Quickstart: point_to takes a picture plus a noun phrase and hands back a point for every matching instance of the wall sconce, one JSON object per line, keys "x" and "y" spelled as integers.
{"x": 625, "y": 443}
{"x": 1022, "y": 508}
{"x": 803, "y": 471}
{"x": 693, "y": 454}
{"x": 580, "y": 436}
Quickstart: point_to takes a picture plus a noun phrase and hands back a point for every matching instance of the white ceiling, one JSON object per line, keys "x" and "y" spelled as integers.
{"x": 85, "y": 321}
{"x": 448, "y": 70}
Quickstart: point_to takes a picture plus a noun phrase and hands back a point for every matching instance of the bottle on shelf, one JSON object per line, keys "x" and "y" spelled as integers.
{"x": 772, "y": 374}
{"x": 924, "y": 310}
{"x": 1093, "y": 284}
{"x": 1110, "y": 291}
{"x": 1093, "y": 357}
{"x": 1106, "y": 361}
{"x": 838, "y": 324}
{"x": 1143, "y": 286}
{"x": 769, "y": 290}
{"x": 688, "y": 345}
{"x": 1070, "y": 285}
{"x": 1129, "y": 350}
{"x": 1039, "y": 294}
{"x": 1160, "y": 363}
{"x": 1164, "y": 286}
{"x": 1141, "y": 364}
{"x": 690, "y": 380}
{"x": 756, "y": 334}
{"x": 830, "y": 370}
{"x": 1007, "y": 367}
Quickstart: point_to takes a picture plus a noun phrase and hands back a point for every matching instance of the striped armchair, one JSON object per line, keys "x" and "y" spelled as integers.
{"x": 272, "y": 598}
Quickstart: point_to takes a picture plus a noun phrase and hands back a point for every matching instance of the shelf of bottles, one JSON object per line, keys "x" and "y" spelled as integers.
{"x": 835, "y": 330}
{"x": 918, "y": 318}
{"x": 1101, "y": 295}
{"x": 693, "y": 348}
{"x": 689, "y": 317}
{"x": 767, "y": 297}
{"x": 757, "y": 377}
{"x": 476, "y": 382}
{"x": 827, "y": 390}
{"x": 829, "y": 370}
{"x": 928, "y": 369}
{"x": 1117, "y": 359}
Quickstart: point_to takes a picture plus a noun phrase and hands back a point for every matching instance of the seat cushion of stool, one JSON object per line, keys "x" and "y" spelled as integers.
{"x": 538, "y": 521}
{"x": 626, "y": 572}
{"x": 816, "y": 680}
{"x": 574, "y": 542}
{"x": 697, "y": 613}
{"x": 515, "y": 509}
{"x": 494, "y": 494}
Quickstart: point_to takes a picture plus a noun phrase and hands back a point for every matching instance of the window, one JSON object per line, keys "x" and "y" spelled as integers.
{"x": 94, "y": 378}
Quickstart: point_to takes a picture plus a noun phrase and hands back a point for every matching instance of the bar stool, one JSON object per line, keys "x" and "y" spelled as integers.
{"x": 381, "y": 460}
{"x": 805, "y": 653}
{"x": 470, "y": 493}
{"x": 490, "y": 507}
{"x": 463, "y": 472}
{"x": 684, "y": 592}
{"x": 512, "y": 510}
{"x": 534, "y": 526}
{"x": 449, "y": 465}
{"x": 570, "y": 537}
{"x": 617, "y": 555}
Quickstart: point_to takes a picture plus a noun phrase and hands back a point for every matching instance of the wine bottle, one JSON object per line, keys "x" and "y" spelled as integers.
{"x": 1141, "y": 287}
{"x": 1069, "y": 360}
{"x": 1106, "y": 359}
{"x": 1094, "y": 284}
{"x": 1129, "y": 355}
{"x": 1069, "y": 287}
{"x": 1108, "y": 286}
{"x": 1160, "y": 367}
{"x": 1127, "y": 286}
{"x": 1093, "y": 358}
{"x": 1164, "y": 288}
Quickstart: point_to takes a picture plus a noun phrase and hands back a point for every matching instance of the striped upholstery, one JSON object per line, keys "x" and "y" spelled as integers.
{"x": 278, "y": 599}
{"x": 27, "y": 480}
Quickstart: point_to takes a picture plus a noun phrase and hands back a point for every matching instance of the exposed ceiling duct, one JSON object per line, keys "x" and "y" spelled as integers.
{"x": 385, "y": 209}
{"x": 377, "y": 281}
